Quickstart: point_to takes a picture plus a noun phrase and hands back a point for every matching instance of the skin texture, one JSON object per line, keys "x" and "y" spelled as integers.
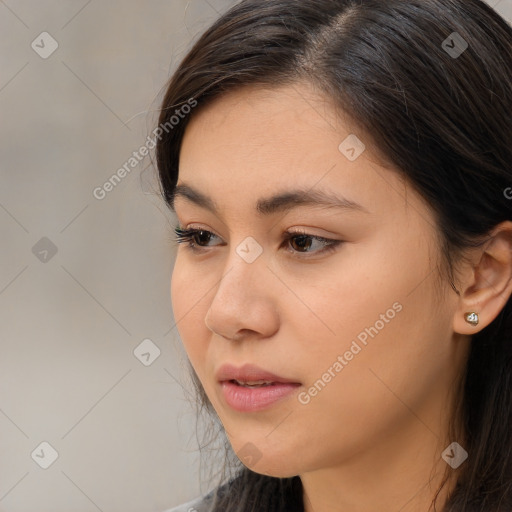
{"x": 372, "y": 438}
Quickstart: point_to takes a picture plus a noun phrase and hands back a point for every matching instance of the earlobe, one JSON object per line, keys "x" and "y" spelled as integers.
{"x": 488, "y": 283}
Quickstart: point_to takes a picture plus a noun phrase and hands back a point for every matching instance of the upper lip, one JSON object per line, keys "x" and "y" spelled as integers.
{"x": 249, "y": 373}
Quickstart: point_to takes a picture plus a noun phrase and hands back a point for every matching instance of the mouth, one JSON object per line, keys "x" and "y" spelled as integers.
{"x": 250, "y": 388}
{"x": 252, "y": 384}
{"x": 250, "y": 375}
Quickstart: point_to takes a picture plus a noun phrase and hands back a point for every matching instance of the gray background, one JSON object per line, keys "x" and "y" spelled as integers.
{"x": 70, "y": 321}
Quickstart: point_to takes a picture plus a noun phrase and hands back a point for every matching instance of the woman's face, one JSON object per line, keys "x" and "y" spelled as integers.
{"x": 355, "y": 327}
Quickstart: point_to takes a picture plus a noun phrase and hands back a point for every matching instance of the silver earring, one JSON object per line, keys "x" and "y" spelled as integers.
{"x": 471, "y": 318}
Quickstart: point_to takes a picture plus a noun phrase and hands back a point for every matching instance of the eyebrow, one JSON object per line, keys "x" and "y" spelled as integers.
{"x": 279, "y": 203}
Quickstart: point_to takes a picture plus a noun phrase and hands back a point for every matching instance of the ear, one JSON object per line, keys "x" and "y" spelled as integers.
{"x": 487, "y": 281}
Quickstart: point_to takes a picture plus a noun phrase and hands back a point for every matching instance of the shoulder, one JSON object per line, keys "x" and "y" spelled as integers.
{"x": 200, "y": 504}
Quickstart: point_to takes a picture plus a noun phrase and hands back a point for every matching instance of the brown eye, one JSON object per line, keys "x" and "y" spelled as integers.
{"x": 194, "y": 239}
{"x": 301, "y": 242}
{"x": 202, "y": 237}
{"x": 198, "y": 240}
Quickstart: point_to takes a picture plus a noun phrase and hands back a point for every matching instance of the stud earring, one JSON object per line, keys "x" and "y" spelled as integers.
{"x": 471, "y": 318}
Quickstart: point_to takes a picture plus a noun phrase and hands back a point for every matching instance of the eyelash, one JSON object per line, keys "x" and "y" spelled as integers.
{"x": 186, "y": 236}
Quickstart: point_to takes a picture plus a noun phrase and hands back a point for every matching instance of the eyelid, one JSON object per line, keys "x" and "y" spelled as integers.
{"x": 286, "y": 233}
{"x": 298, "y": 231}
{"x": 200, "y": 228}
{"x": 184, "y": 236}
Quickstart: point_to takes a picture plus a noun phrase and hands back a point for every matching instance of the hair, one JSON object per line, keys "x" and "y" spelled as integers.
{"x": 443, "y": 121}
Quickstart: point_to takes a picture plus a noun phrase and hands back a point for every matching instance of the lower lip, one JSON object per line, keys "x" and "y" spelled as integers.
{"x": 246, "y": 399}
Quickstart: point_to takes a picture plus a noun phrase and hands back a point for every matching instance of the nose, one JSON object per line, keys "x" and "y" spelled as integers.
{"x": 245, "y": 303}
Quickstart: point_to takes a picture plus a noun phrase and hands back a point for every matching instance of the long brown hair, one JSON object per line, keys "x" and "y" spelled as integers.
{"x": 442, "y": 114}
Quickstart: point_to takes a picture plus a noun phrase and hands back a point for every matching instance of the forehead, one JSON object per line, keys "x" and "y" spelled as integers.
{"x": 261, "y": 134}
{"x": 264, "y": 119}
{"x": 253, "y": 142}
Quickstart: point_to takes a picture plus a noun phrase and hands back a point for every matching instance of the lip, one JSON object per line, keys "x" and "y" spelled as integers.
{"x": 248, "y": 373}
{"x": 245, "y": 399}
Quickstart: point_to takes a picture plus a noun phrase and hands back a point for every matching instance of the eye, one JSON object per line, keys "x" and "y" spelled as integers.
{"x": 301, "y": 242}
{"x": 193, "y": 238}
{"x": 197, "y": 241}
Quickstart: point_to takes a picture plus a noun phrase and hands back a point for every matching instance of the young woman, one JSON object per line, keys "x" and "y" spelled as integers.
{"x": 341, "y": 175}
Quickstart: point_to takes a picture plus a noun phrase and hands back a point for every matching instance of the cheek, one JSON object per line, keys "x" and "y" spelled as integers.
{"x": 401, "y": 368}
{"x": 375, "y": 315}
{"x": 189, "y": 304}
{"x": 340, "y": 301}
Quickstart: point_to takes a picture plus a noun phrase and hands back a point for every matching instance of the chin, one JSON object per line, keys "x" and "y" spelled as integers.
{"x": 267, "y": 462}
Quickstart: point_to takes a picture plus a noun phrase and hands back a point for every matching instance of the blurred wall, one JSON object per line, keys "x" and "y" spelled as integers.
{"x": 92, "y": 413}
{"x": 84, "y": 277}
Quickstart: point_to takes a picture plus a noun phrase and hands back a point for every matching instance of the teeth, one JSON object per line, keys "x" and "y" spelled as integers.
{"x": 256, "y": 383}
